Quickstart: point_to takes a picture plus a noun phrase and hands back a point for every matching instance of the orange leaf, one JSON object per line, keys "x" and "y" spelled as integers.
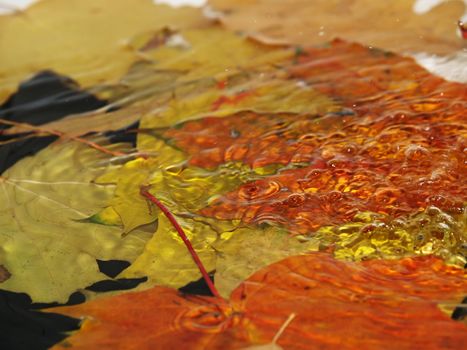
{"x": 376, "y": 304}
{"x": 395, "y": 149}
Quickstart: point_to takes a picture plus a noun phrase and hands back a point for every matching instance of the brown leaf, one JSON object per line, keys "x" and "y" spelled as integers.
{"x": 392, "y": 25}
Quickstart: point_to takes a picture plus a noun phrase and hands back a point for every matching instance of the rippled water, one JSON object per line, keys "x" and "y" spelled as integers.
{"x": 349, "y": 149}
{"x": 383, "y": 175}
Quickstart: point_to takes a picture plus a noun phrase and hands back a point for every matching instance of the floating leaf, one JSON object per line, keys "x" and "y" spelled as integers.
{"x": 397, "y": 27}
{"x": 335, "y": 303}
{"x": 48, "y": 249}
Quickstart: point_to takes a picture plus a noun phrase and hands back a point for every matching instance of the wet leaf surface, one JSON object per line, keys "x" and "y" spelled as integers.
{"x": 43, "y": 200}
{"x": 81, "y": 54}
{"x": 158, "y": 123}
{"x": 347, "y": 304}
{"x": 394, "y": 25}
{"x": 45, "y": 98}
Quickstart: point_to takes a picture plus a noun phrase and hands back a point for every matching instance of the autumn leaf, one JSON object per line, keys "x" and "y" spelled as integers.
{"x": 254, "y": 93}
{"x": 212, "y": 52}
{"x": 79, "y": 52}
{"x": 232, "y": 254}
{"x": 237, "y": 160}
{"x": 48, "y": 248}
{"x": 342, "y": 165}
{"x": 242, "y": 252}
{"x": 392, "y": 26}
{"x": 164, "y": 260}
{"x": 335, "y": 303}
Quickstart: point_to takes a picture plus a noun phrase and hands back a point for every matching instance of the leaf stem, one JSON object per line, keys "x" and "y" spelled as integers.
{"x": 38, "y": 129}
{"x": 144, "y": 192}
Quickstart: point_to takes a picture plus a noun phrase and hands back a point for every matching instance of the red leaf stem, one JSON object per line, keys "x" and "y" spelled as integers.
{"x": 144, "y": 192}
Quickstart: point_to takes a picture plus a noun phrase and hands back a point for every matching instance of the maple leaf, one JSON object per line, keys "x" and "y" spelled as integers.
{"x": 394, "y": 26}
{"x": 182, "y": 64}
{"x": 164, "y": 260}
{"x": 261, "y": 92}
{"x": 395, "y": 155}
{"x": 48, "y": 249}
{"x": 211, "y": 53}
{"x": 334, "y": 303}
{"x": 79, "y": 52}
{"x": 248, "y": 162}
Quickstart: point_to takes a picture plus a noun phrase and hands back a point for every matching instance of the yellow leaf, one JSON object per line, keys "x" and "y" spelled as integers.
{"x": 127, "y": 202}
{"x": 247, "y": 250}
{"x": 262, "y": 95}
{"x": 48, "y": 249}
{"x": 213, "y": 52}
{"x": 87, "y": 40}
{"x": 166, "y": 260}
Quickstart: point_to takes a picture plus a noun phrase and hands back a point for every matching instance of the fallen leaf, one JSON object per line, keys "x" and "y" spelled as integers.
{"x": 127, "y": 203}
{"x": 48, "y": 249}
{"x": 95, "y": 48}
{"x": 395, "y": 153}
{"x": 214, "y": 53}
{"x": 164, "y": 259}
{"x": 393, "y": 26}
{"x": 242, "y": 252}
{"x": 261, "y": 93}
{"x": 255, "y": 139}
{"x": 345, "y": 304}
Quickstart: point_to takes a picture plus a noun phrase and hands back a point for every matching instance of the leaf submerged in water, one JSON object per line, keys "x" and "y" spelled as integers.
{"x": 392, "y": 25}
{"x": 334, "y": 303}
